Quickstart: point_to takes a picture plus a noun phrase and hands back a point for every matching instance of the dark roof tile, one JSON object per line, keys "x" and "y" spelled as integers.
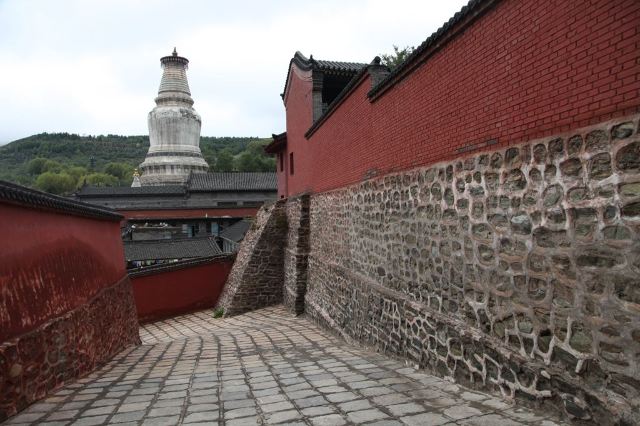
{"x": 116, "y": 191}
{"x": 171, "y": 249}
{"x": 236, "y": 231}
{"x": 351, "y": 67}
{"x": 20, "y": 195}
{"x": 306, "y": 64}
{"x": 233, "y": 181}
{"x": 278, "y": 143}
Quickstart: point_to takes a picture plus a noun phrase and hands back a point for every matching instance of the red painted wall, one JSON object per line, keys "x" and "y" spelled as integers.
{"x": 298, "y": 104}
{"x": 51, "y": 263}
{"x": 170, "y": 293}
{"x": 524, "y": 70}
{"x": 188, "y": 213}
{"x": 66, "y": 305}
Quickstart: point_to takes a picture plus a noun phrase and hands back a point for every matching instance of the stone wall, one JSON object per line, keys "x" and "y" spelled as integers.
{"x": 257, "y": 275}
{"x": 66, "y": 347}
{"x": 515, "y": 270}
{"x": 296, "y": 254}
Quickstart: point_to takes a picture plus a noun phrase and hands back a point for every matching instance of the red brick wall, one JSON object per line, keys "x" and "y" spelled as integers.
{"x": 157, "y": 295}
{"x": 524, "y": 70}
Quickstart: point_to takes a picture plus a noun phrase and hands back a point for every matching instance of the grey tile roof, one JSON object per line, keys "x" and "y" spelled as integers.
{"x": 351, "y": 67}
{"x": 325, "y": 65}
{"x": 188, "y": 248}
{"x": 19, "y": 195}
{"x": 233, "y": 181}
{"x": 236, "y": 231}
{"x": 310, "y": 63}
{"x": 116, "y": 191}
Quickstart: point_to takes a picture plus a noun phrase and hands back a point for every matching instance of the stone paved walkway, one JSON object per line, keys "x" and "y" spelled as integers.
{"x": 265, "y": 367}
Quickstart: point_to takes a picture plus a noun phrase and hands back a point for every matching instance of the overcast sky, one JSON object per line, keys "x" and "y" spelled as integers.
{"x": 92, "y": 67}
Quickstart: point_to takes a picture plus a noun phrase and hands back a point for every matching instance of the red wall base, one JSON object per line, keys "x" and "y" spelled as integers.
{"x": 165, "y": 293}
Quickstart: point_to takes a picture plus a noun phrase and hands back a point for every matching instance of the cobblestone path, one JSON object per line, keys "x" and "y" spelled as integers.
{"x": 264, "y": 367}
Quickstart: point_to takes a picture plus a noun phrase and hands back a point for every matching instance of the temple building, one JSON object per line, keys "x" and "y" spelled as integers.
{"x": 174, "y": 129}
{"x": 205, "y": 205}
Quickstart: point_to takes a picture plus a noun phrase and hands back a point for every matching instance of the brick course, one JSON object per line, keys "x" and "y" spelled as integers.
{"x": 524, "y": 70}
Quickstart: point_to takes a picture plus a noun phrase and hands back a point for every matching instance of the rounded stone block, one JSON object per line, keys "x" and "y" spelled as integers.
{"x": 628, "y": 158}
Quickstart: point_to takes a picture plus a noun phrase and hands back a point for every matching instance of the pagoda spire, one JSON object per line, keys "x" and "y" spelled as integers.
{"x": 174, "y": 87}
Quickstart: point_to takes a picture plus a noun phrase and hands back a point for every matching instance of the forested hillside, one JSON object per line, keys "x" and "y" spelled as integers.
{"x": 60, "y": 162}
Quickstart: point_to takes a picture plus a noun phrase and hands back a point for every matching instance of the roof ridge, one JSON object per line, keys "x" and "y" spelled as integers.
{"x": 170, "y": 240}
{"x": 171, "y": 248}
{"x": 405, "y": 68}
{"x": 237, "y": 224}
{"x": 181, "y": 264}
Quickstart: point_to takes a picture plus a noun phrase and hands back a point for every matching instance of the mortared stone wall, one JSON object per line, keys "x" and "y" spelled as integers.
{"x": 255, "y": 281}
{"x": 516, "y": 269}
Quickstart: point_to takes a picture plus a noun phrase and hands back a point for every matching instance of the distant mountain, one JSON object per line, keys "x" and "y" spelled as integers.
{"x": 94, "y": 153}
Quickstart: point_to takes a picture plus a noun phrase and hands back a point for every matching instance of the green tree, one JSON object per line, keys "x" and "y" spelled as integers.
{"x": 78, "y": 173}
{"x": 52, "y": 166}
{"x": 225, "y": 161}
{"x": 247, "y": 162}
{"x": 36, "y": 166}
{"x": 254, "y": 159}
{"x": 101, "y": 179}
{"x": 122, "y": 171}
{"x": 56, "y": 183}
{"x": 398, "y": 56}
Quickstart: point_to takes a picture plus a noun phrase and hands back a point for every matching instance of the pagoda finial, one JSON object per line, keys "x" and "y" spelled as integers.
{"x": 175, "y": 52}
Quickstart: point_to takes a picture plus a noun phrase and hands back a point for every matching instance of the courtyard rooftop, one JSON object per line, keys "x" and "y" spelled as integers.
{"x": 264, "y": 367}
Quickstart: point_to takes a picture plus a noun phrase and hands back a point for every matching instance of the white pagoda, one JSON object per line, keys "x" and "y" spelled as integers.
{"x": 174, "y": 129}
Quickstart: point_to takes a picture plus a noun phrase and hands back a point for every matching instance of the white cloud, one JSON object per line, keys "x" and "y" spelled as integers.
{"x": 92, "y": 66}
